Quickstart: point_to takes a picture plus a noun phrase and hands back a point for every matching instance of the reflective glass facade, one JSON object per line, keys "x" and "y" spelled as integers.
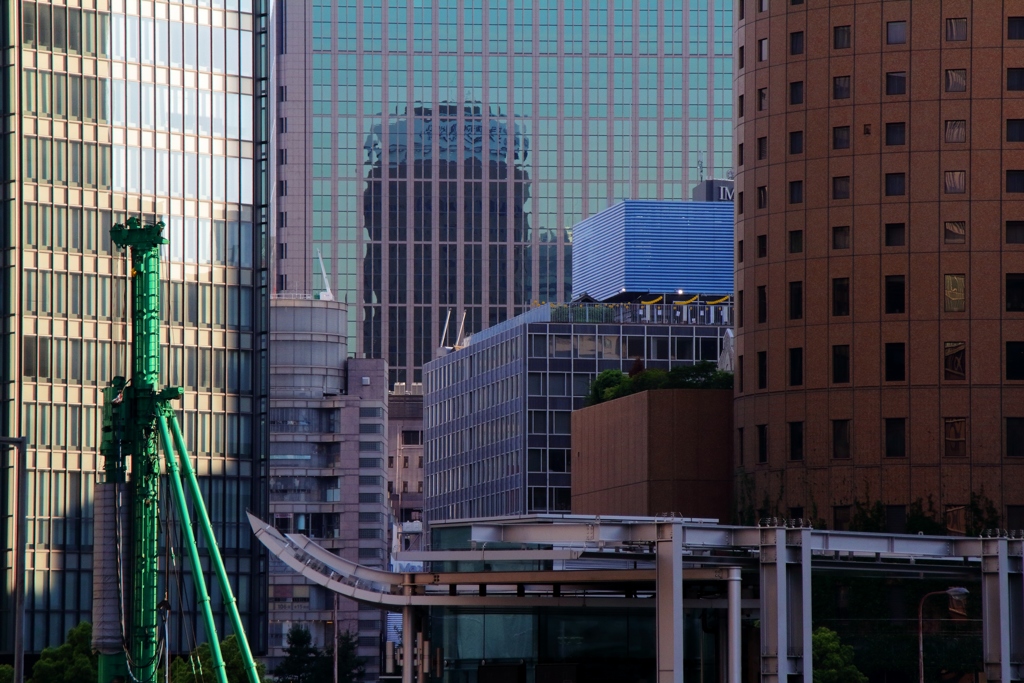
{"x": 435, "y": 152}
{"x": 121, "y": 108}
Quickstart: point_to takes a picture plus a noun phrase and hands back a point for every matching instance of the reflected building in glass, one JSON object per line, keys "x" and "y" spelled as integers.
{"x": 114, "y": 109}
{"x": 435, "y": 152}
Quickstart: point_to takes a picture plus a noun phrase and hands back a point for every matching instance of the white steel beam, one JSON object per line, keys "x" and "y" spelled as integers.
{"x": 669, "y": 605}
{"x": 1002, "y": 596}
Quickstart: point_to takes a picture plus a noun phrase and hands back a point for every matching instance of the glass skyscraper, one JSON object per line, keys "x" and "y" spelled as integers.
{"x": 435, "y": 152}
{"x": 113, "y": 109}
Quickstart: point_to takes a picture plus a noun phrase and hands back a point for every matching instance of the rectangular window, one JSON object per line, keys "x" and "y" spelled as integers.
{"x": 895, "y": 362}
{"x": 796, "y": 367}
{"x": 739, "y": 202}
{"x": 841, "y": 137}
{"x": 762, "y": 369}
{"x": 895, "y": 437}
{"x": 956, "y": 436}
{"x": 841, "y": 439}
{"x": 739, "y": 379}
{"x": 1015, "y": 181}
{"x": 956, "y": 80}
{"x": 1015, "y": 232}
{"x": 1015, "y": 130}
{"x": 896, "y": 33}
{"x": 956, "y": 130}
{"x": 955, "y": 360}
{"x": 1015, "y": 28}
{"x": 739, "y": 56}
{"x": 841, "y": 364}
{"x": 796, "y": 241}
{"x": 739, "y": 251}
{"x": 796, "y": 300}
{"x": 796, "y": 92}
{"x": 956, "y": 29}
{"x": 762, "y": 197}
{"x": 796, "y": 43}
{"x": 1015, "y": 444}
{"x": 762, "y": 50}
{"x": 840, "y": 296}
{"x": 956, "y": 182}
{"x": 895, "y": 184}
{"x": 796, "y": 192}
{"x": 762, "y": 443}
{"x": 841, "y": 37}
{"x": 1014, "y": 292}
{"x": 762, "y": 148}
{"x": 841, "y": 87}
{"x": 762, "y": 304}
{"x": 739, "y": 106}
{"x": 762, "y": 99}
{"x": 956, "y": 293}
{"x": 896, "y": 83}
{"x": 796, "y": 142}
{"x": 895, "y": 294}
{"x": 796, "y": 441}
{"x": 896, "y": 133}
{"x": 841, "y": 515}
{"x": 762, "y": 246}
{"x": 1015, "y": 79}
{"x": 955, "y": 232}
{"x": 1014, "y": 360}
{"x": 841, "y": 187}
{"x": 895, "y": 234}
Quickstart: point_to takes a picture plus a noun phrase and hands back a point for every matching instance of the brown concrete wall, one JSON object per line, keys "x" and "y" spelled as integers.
{"x": 654, "y": 452}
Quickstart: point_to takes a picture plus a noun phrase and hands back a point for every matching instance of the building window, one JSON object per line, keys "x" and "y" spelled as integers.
{"x": 740, "y": 445}
{"x": 895, "y": 234}
{"x": 896, "y": 133}
{"x": 796, "y": 300}
{"x": 796, "y": 92}
{"x": 956, "y": 436}
{"x": 762, "y": 304}
{"x": 895, "y": 294}
{"x": 895, "y": 184}
{"x": 739, "y": 314}
{"x": 739, "y": 251}
{"x": 762, "y": 369}
{"x": 841, "y": 37}
{"x": 762, "y": 50}
{"x": 762, "y": 197}
{"x": 740, "y": 378}
{"x": 1015, "y": 181}
{"x": 840, "y": 296}
{"x": 841, "y": 137}
{"x": 895, "y": 437}
{"x": 1015, "y": 79}
{"x": 956, "y": 130}
{"x": 796, "y": 43}
{"x": 841, "y": 439}
{"x": 955, "y": 360}
{"x": 955, "y": 232}
{"x": 1015, "y": 28}
{"x": 762, "y": 443}
{"x": 841, "y": 364}
{"x": 796, "y": 367}
{"x": 896, "y": 33}
{"x": 841, "y": 87}
{"x": 841, "y": 237}
{"x": 762, "y": 246}
{"x": 739, "y": 56}
{"x": 956, "y": 29}
{"x": 896, "y": 519}
{"x": 739, "y": 203}
{"x": 1015, "y": 232}
{"x": 895, "y": 362}
{"x": 796, "y": 241}
{"x": 841, "y": 187}
{"x": 796, "y": 142}
{"x": 956, "y": 182}
{"x": 762, "y": 99}
{"x": 956, "y": 80}
{"x": 896, "y": 83}
{"x": 739, "y": 106}
{"x": 796, "y": 192}
{"x": 1014, "y": 360}
{"x": 1014, "y": 292}
{"x": 796, "y": 441}
{"x": 739, "y": 154}
{"x": 956, "y": 293}
{"x": 762, "y": 148}
{"x": 841, "y": 515}
{"x": 1015, "y": 444}
{"x": 1015, "y": 130}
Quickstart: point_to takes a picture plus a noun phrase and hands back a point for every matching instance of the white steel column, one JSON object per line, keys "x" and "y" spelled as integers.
{"x": 785, "y": 605}
{"x": 669, "y": 603}
{"x": 735, "y": 630}
{"x": 1002, "y": 597}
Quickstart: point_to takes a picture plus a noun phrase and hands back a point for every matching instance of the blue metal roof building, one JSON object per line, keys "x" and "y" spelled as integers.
{"x": 638, "y": 247}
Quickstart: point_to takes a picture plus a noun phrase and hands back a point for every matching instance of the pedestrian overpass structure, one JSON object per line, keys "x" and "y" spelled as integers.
{"x": 571, "y": 562}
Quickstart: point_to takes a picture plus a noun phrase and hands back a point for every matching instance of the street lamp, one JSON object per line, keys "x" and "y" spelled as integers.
{"x": 953, "y": 592}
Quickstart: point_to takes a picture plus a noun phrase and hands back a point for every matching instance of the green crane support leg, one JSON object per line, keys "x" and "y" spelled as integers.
{"x": 202, "y": 595}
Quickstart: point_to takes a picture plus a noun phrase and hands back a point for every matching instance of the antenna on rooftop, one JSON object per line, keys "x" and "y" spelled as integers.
{"x": 700, "y": 166}
{"x": 327, "y": 294}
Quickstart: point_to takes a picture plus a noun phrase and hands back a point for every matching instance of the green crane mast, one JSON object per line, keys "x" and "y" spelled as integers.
{"x": 137, "y": 417}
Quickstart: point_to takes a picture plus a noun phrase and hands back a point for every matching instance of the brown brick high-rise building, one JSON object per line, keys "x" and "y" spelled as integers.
{"x": 880, "y": 260}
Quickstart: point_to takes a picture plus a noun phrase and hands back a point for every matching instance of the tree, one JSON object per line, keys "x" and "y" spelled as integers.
{"x": 833, "y": 661}
{"x": 199, "y": 666}
{"x": 71, "y": 662}
{"x": 6, "y": 673}
{"x": 350, "y": 665}
{"x": 303, "y": 662}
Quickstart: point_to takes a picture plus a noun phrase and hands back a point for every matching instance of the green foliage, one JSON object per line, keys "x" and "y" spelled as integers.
{"x": 306, "y": 663}
{"x": 867, "y": 517}
{"x": 6, "y": 673}
{"x": 199, "y": 667}
{"x": 350, "y": 665}
{"x": 833, "y": 661}
{"x": 983, "y": 515}
{"x": 612, "y": 384}
{"x": 924, "y": 522}
{"x": 71, "y": 662}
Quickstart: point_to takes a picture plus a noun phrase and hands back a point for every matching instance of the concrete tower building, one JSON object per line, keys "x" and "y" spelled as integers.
{"x": 880, "y": 259}
{"x": 437, "y": 152}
